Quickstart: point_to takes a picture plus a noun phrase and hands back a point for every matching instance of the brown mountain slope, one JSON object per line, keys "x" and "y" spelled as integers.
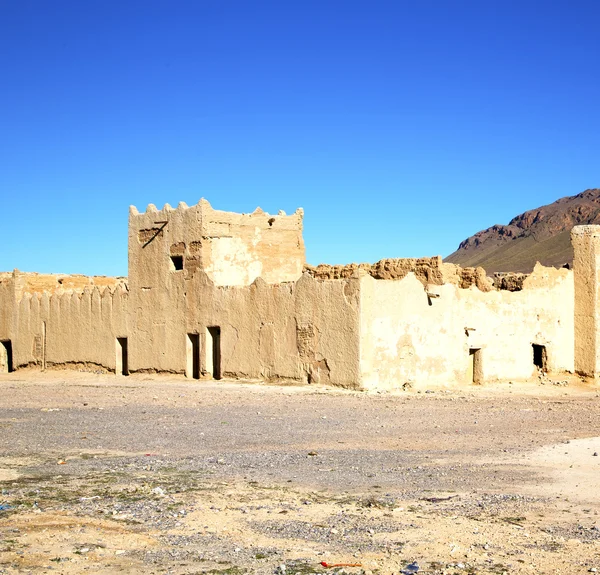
{"x": 542, "y": 234}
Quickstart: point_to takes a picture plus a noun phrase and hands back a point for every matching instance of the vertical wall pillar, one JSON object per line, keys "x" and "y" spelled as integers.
{"x": 586, "y": 245}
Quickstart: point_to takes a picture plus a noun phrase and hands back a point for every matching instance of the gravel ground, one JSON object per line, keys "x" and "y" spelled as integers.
{"x": 156, "y": 475}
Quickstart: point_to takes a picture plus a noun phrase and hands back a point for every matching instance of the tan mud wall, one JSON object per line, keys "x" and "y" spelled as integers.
{"x": 233, "y": 249}
{"x": 26, "y": 282}
{"x": 302, "y": 331}
{"x": 404, "y": 340}
{"x": 586, "y": 246}
{"x": 238, "y": 248}
{"x": 7, "y": 307}
{"x": 70, "y": 329}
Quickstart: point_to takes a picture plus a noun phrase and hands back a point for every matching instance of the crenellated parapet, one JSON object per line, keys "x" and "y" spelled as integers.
{"x": 70, "y": 326}
{"x": 26, "y": 282}
{"x": 217, "y": 221}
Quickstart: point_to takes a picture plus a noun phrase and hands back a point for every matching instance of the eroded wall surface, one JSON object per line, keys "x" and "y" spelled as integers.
{"x": 415, "y": 336}
{"x": 238, "y": 248}
{"x": 169, "y": 249}
{"x": 202, "y": 280}
{"x": 70, "y": 328}
{"x": 586, "y": 263}
{"x": 305, "y": 331}
{"x": 233, "y": 249}
{"x": 7, "y": 305}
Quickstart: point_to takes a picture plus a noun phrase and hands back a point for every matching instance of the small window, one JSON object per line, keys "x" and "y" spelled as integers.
{"x": 540, "y": 357}
{"x": 177, "y": 262}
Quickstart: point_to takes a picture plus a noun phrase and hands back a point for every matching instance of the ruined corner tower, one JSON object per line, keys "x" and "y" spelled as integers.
{"x": 586, "y": 268}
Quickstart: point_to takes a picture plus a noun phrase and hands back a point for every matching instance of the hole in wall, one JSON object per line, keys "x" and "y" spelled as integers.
{"x": 271, "y": 221}
{"x": 177, "y": 262}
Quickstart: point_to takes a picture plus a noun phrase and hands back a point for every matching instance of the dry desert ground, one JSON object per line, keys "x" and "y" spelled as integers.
{"x": 157, "y": 475}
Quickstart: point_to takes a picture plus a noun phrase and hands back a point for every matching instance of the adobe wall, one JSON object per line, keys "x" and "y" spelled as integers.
{"x": 195, "y": 270}
{"x": 238, "y": 248}
{"x": 586, "y": 263}
{"x": 304, "y": 331}
{"x": 230, "y": 249}
{"x": 27, "y": 282}
{"x": 233, "y": 249}
{"x": 419, "y": 336}
{"x": 7, "y": 305}
{"x": 70, "y": 328}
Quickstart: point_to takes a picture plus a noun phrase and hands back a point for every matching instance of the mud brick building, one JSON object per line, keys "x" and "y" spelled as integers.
{"x": 214, "y": 294}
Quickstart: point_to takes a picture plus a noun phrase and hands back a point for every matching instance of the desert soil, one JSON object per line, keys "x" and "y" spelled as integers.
{"x": 153, "y": 475}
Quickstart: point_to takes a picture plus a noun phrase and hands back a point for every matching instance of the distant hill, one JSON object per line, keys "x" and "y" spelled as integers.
{"x": 542, "y": 234}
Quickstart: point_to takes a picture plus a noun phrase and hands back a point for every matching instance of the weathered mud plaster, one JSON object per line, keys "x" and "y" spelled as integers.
{"x": 217, "y": 294}
{"x": 586, "y": 264}
{"x": 171, "y": 247}
{"x": 416, "y": 336}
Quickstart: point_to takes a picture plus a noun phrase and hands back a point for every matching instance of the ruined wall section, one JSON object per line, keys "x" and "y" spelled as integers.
{"x": 413, "y": 335}
{"x": 305, "y": 331}
{"x": 70, "y": 329}
{"x": 238, "y": 248}
{"x": 427, "y": 270}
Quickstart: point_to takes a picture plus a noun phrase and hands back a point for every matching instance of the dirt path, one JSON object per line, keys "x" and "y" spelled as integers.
{"x": 155, "y": 475}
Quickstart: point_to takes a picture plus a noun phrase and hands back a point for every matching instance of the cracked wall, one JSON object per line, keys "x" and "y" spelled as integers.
{"x": 413, "y": 335}
{"x": 397, "y": 323}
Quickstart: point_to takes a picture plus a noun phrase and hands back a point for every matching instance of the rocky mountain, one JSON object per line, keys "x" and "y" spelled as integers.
{"x": 542, "y": 234}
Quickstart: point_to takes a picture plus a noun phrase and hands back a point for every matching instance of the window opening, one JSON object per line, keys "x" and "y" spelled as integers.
{"x": 177, "y": 262}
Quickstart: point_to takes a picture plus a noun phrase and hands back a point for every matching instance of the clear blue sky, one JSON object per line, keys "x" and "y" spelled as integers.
{"x": 401, "y": 127}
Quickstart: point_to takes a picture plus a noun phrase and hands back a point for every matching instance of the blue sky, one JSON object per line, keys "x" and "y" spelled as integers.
{"x": 400, "y": 127}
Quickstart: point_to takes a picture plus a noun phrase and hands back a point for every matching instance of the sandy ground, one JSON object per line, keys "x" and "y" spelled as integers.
{"x": 154, "y": 475}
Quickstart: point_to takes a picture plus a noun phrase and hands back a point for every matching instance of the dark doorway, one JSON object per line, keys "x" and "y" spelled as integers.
{"x": 540, "y": 356}
{"x": 122, "y": 359}
{"x": 43, "y": 346}
{"x": 193, "y": 356}
{"x": 475, "y": 373}
{"x": 213, "y": 351}
{"x": 6, "y": 357}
